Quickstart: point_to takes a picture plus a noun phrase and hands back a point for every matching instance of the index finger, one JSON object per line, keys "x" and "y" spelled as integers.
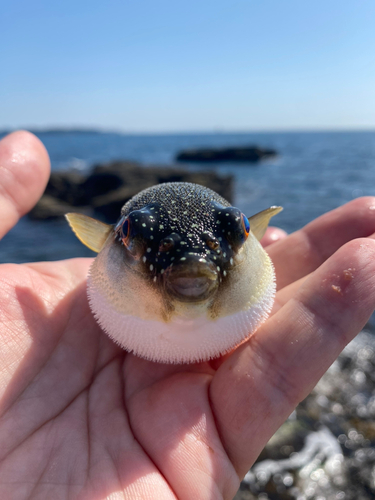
{"x": 302, "y": 252}
{"x": 24, "y": 172}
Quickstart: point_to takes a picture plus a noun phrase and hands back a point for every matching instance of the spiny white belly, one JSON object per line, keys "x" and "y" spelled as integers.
{"x": 180, "y": 340}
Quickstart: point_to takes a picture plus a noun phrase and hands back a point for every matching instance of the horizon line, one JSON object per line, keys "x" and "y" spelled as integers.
{"x": 214, "y": 131}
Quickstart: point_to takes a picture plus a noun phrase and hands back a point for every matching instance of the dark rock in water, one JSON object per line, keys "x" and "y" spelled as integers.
{"x": 107, "y": 187}
{"x": 237, "y": 155}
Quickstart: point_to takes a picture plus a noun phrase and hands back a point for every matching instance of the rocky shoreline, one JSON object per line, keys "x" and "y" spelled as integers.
{"x": 104, "y": 190}
{"x": 326, "y": 449}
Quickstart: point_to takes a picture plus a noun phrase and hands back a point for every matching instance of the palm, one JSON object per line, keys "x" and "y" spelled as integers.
{"x": 81, "y": 418}
{"x": 103, "y": 417}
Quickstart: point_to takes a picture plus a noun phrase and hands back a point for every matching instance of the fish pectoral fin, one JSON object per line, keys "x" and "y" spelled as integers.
{"x": 90, "y": 232}
{"x": 259, "y": 222}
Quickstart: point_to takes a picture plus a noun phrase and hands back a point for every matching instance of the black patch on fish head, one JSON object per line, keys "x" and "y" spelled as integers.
{"x": 181, "y": 232}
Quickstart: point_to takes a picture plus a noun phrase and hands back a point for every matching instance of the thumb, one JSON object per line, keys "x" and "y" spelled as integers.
{"x": 24, "y": 172}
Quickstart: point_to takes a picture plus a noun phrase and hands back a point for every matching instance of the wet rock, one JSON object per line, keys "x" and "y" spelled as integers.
{"x": 106, "y": 188}
{"x": 235, "y": 155}
{"x": 66, "y": 187}
{"x": 326, "y": 450}
{"x": 49, "y": 207}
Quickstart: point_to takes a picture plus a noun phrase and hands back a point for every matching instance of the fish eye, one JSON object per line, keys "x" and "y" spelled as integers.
{"x": 124, "y": 230}
{"x": 245, "y": 225}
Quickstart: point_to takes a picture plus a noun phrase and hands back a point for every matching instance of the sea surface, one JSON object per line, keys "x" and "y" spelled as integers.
{"x": 314, "y": 172}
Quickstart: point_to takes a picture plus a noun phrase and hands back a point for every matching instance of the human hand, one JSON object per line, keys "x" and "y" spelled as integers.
{"x": 81, "y": 418}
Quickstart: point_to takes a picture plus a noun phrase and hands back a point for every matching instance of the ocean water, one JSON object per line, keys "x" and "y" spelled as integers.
{"x": 313, "y": 173}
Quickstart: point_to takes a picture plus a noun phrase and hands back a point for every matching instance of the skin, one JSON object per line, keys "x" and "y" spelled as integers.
{"x": 81, "y": 418}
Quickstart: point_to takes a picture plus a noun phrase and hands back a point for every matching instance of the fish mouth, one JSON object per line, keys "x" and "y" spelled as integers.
{"x": 194, "y": 281}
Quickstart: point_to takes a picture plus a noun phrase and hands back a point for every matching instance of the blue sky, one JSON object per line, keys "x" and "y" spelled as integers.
{"x": 169, "y": 66}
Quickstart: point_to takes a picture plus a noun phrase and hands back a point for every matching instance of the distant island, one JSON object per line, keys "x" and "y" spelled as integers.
{"x": 57, "y": 130}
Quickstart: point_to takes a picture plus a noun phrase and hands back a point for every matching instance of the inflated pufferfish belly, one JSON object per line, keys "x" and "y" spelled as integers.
{"x": 181, "y": 277}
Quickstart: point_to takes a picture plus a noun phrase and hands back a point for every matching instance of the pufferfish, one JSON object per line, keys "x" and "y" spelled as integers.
{"x": 181, "y": 277}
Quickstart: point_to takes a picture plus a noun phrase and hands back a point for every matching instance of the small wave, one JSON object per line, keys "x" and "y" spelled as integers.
{"x": 73, "y": 163}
